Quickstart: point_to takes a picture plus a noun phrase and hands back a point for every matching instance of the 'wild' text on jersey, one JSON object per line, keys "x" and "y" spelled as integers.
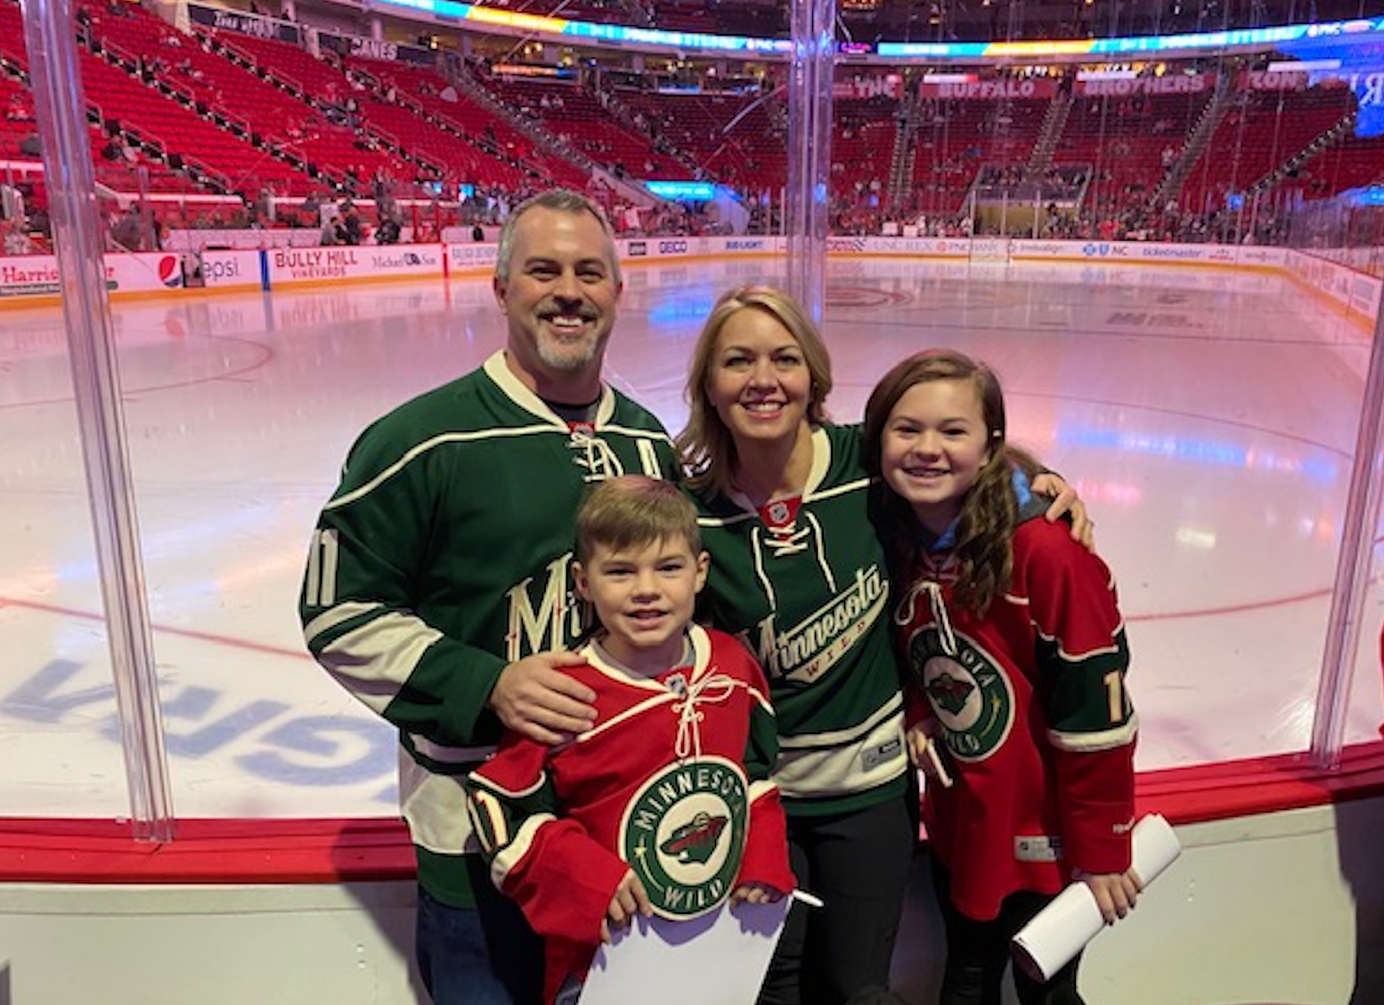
{"x": 805, "y": 651}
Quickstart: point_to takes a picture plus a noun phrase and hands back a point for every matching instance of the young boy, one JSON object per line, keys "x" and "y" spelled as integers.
{"x": 664, "y": 806}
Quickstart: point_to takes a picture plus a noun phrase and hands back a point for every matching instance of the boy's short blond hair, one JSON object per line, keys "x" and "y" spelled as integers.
{"x": 631, "y": 511}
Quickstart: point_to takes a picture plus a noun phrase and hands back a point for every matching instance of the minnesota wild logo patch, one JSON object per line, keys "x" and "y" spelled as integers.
{"x": 969, "y": 691}
{"x": 683, "y": 834}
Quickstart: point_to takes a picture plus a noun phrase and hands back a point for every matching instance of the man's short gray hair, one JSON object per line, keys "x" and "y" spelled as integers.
{"x": 559, "y": 200}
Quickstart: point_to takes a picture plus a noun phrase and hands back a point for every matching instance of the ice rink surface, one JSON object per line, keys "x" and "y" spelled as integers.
{"x": 1207, "y": 418}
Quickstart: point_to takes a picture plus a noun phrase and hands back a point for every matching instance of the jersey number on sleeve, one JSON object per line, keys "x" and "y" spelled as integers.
{"x": 319, "y": 587}
{"x": 489, "y": 817}
{"x": 1114, "y": 692}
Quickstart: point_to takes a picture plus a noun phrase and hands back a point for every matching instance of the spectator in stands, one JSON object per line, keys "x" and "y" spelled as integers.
{"x": 17, "y": 240}
{"x": 348, "y": 225}
{"x": 11, "y": 202}
{"x": 128, "y": 231}
{"x": 114, "y": 149}
{"x": 264, "y": 205}
{"x": 380, "y": 184}
{"x": 18, "y": 109}
{"x": 40, "y": 224}
{"x": 30, "y": 146}
{"x": 388, "y": 231}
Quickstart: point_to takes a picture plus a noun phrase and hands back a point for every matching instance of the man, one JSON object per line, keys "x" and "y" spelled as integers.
{"x": 128, "y": 231}
{"x": 438, "y": 589}
{"x": 349, "y": 230}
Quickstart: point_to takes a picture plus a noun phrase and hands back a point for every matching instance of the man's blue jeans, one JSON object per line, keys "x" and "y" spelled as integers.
{"x": 485, "y": 955}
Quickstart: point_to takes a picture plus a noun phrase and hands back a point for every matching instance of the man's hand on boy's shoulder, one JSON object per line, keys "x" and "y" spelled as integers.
{"x": 534, "y": 698}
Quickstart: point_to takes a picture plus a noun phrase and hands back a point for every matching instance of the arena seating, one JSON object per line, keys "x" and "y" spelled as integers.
{"x": 957, "y": 137}
{"x": 573, "y": 114}
{"x": 734, "y": 138}
{"x": 1130, "y": 142}
{"x": 219, "y": 111}
{"x": 1261, "y": 130}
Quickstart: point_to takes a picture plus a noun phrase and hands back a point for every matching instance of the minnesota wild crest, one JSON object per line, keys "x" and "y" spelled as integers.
{"x": 968, "y": 690}
{"x": 683, "y": 834}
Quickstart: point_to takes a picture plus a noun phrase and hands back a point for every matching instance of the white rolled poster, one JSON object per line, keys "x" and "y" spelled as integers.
{"x": 1062, "y": 929}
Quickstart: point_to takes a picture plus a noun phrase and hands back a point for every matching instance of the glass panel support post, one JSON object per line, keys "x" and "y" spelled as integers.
{"x": 809, "y": 151}
{"x": 60, "y": 108}
{"x": 1348, "y": 595}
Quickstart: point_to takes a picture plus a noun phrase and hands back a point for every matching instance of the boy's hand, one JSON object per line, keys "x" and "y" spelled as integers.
{"x": 1065, "y": 501}
{"x": 755, "y": 893}
{"x": 535, "y": 699}
{"x": 630, "y": 899}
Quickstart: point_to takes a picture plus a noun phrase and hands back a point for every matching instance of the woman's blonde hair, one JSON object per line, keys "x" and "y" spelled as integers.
{"x": 706, "y": 445}
{"x": 989, "y": 513}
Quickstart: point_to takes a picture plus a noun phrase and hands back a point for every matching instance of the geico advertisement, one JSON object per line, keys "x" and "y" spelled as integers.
{"x": 362, "y": 261}
{"x": 232, "y": 268}
{"x": 634, "y": 249}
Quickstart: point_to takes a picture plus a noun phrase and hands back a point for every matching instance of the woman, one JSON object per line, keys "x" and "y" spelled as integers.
{"x": 798, "y": 571}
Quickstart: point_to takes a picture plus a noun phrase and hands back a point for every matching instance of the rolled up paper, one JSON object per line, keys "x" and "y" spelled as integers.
{"x": 1062, "y": 929}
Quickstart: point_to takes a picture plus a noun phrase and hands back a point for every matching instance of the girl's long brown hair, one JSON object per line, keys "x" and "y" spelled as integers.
{"x": 985, "y": 528}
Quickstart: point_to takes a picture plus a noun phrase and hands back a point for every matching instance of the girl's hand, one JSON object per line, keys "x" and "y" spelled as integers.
{"x": 1115, "y": 892}
{"x": 924, "y": 751}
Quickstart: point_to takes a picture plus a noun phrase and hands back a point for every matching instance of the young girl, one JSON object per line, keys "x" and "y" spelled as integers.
{"x": 1014, "y": 637}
